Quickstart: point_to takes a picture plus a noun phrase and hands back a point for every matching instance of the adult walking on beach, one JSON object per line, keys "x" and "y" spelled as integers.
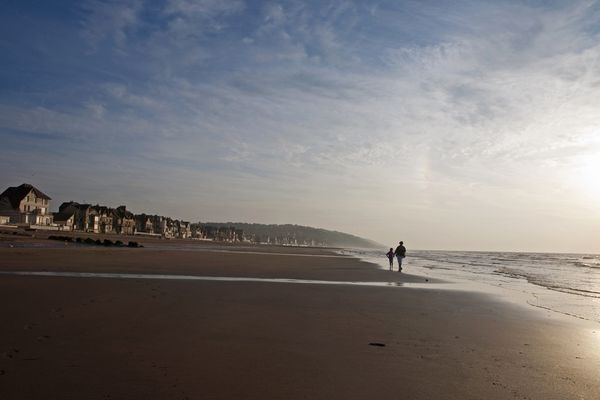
{"x": 390, "y": 256}
{"x": 400, "y": 254}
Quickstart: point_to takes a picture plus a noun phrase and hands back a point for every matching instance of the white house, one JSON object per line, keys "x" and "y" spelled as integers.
{"x": 26, "y": 205}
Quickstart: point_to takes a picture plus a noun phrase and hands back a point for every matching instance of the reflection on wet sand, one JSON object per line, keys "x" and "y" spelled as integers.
{"x": 224, "y": 279}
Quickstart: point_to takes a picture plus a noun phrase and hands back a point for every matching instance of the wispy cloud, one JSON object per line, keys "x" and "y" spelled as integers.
{"x": 112, "y": 22}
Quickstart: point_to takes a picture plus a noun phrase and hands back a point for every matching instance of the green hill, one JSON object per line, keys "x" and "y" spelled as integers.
{"x": 294, "y": 235}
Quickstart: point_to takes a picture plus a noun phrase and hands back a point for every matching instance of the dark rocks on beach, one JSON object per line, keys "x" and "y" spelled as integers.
{"x": 96, "y": 242}
{"x": 377, "y": 344}
{"x": 61, "y": 238}
{"x": 105, "y": 242}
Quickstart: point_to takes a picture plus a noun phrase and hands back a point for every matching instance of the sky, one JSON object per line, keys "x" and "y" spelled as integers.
{"x": 458, "y": 125}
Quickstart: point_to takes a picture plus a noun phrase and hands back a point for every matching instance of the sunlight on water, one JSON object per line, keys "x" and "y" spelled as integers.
{"x": 564, "y": 283}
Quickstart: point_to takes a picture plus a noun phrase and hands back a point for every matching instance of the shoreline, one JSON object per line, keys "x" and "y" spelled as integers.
{"x": 423, "y": 279}
{"x": 510, "y": 288}
{"x": 140, "y": 338}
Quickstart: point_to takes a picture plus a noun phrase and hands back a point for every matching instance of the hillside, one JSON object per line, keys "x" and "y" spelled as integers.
{"x": 294, "y": 235}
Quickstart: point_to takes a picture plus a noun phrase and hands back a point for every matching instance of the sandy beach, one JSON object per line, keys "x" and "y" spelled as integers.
{"x": 99, "y": 338}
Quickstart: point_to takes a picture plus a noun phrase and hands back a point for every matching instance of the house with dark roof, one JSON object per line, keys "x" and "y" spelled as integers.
{"x": 124, "y": 221}
{"x": 143, "y": 223}
{"x": 105, "y": 218}
{"x": 148, "y": 225}
{"x": 183, "y": 229}
{"x": 26, "y": 205}
{"x": 85, "y": 217}
{"x": 65, "y": 220}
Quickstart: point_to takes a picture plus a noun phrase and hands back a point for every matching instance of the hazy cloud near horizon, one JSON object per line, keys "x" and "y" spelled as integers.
{"x": 462, "y": 125}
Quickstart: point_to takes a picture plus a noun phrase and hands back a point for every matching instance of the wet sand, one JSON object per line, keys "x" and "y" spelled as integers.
{"x": 96, "y": 338}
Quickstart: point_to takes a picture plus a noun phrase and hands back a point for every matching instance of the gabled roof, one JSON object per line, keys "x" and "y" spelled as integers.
{"x": 74, "y": 205}
{"x": 63, "y": 216}
{"x": 121, "y": 212}
{"x": 102, "y": 209}
{"x": 14, "y": 195}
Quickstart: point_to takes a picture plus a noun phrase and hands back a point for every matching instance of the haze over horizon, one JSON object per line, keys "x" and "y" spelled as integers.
{"x": 467, "y": 125}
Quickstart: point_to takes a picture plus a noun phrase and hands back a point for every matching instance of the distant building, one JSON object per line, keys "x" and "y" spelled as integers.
{"x": 105, "y": 218}
{"x": 65, "y": 220}
{"x": 124, "y": 221}
{"x": 185, "y": 230}
{"x": 215, "y": 233}
{"x": 143, "y": 224}
{"x": 26, "y": 205}
{"x": 159, "y": 226}
{"x": 167, "y": 228}
{"x": 85, "y": 218}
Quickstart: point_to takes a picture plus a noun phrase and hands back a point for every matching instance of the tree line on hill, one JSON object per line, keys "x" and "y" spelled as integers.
{"x": 296, "y": 235}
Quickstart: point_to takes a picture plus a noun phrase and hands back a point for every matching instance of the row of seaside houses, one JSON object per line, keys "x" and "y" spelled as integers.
{"x": 28, "y": 207}
{"x": 100, "y": 219}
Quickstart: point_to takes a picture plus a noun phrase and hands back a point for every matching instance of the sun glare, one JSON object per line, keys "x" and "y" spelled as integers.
{"x": 588, "y": 176}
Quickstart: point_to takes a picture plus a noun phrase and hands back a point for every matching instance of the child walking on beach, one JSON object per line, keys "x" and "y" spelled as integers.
{"x": 390, "y": 256}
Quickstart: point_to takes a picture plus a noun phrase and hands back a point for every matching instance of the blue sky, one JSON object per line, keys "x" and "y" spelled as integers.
{"x": 455, "y": 125}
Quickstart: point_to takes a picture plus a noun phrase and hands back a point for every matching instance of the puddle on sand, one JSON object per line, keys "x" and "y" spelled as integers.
{"x": 222, "y": 279}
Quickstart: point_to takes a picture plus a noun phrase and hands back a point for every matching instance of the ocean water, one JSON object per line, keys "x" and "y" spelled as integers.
{"x": 564, "y": 283}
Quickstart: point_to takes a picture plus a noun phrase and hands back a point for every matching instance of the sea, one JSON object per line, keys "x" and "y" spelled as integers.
{"x": 568, "y": 284}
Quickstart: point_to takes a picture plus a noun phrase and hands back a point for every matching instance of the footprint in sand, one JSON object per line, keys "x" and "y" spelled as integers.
{"x": 10, "y": 353}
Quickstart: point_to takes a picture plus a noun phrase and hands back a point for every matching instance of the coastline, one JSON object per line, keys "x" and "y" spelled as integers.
{"x": 508, "y": 280}
{"x": 99, "y": 338}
